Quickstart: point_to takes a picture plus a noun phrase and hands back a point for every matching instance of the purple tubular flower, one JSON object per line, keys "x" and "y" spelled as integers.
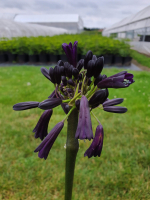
{"x": 45, "y": 72}
{"x": 50, "y": 103}
{"x": 113, "y": 102}
{"x": 40, "y": 129}
{"x": 84, "y": 129}
{"x": 115, "y": 109}
{"x": 25, "y": 105}
{"x": 48, "y": 142}
{"x": 71, "y": 52}
{"x": 116, "y": 81}
{"x": 96, "y": 147}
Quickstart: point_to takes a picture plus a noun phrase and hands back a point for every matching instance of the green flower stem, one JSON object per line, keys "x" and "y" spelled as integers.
{"x": 72, "y": 147}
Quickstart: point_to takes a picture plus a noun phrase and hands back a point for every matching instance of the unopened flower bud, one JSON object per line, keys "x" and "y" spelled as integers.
{"x": 87, "y": 58}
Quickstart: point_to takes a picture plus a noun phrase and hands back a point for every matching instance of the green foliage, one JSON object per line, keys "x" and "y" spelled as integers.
{"x": 92, "y": 40}
{"x": 140, "y": 58}
{"x": 122, "y": 171}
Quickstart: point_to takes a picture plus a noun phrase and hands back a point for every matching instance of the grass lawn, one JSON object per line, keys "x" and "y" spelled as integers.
{"x": 122, "y": 171}
{"x": 141, "y": 59}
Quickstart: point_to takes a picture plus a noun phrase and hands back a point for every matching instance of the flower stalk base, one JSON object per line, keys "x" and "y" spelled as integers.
{"x": 72, "y": 147}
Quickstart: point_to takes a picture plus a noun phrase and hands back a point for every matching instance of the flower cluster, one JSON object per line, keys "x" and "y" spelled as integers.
{"x": 78, "y": 85}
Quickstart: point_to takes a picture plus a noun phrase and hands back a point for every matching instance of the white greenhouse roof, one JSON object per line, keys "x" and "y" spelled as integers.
{"x": 9, "y": 28}
{"x": 136, "y": 21}
{"x": 46, "y": 18}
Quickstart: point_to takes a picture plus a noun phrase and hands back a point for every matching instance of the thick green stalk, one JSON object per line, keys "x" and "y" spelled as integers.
{"x": 72, "y": 147}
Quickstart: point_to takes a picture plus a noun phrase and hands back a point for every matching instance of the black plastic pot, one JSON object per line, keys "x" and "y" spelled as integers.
{"x": 11, "y": 57}
{"x": 33, "y": 58}
{"x": 22, "y": 58}
{"x": 53, "y": 58}
{"x": 3, "y": 58}
{"x": 43, "y": 58}
{"x": 118, "y": 60}
{"x": 63, "y": 58}
{"x": 127, "y": 61}
{"x": 108, "y": 59}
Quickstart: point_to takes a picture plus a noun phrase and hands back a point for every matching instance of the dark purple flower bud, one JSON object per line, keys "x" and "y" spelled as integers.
{"x": 65, "y": 107}
{"x": 60, "y": 63}
{"x": 62, "y": 71}
{"x": 50, "y": 103}
{"x": 90, "y": 68}
{"x": 80, "y": 77}
{"x": 64, "y": 80}
{"x": 80, "y": 64}
{"x": 25, "y": 105}
{"x": 75, "y": 72}
{"x": 71, "y": 82}
{"x": 48, "y": 142}
{"x": 98, "y": 79}
{"x": 84, "y": 129}
{"x": 40, "y": 129}
{"x": 51, "y": 73}
{"x": 113, "y": 102}
{"x": 68, "y": 69}
{"x": 45, "y": 73}
{"x": 96, "y": 147}
{"x": 115, "y": 109}
{"x": 77, "y": 103}
{"x": 94, "y": 58}
{"x": 57, "y": 74}
{"x": 71, "y": 52}
{"x": 98, "y": 98}
{"x": 98, "y": 66}
{"x": 121, "y": 81}
{"x": 87, "y": 58}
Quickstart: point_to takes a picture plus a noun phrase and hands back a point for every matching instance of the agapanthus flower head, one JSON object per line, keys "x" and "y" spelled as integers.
{"x": 82, "y": 86}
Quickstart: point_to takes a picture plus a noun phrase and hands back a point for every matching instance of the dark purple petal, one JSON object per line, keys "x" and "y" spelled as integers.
{"x": 84, "y": 129}
{"x": 50, "y": 103}
{"x": 25, "y": 105}
{"x": 113, "y": 102}
{"x": 87, "y": 58}
{"x": 115, "y": 109}
{"x": 74, "y": 54}
{"x": 118, "y": 74}
{"x": 80, "y": 64}
{"x": 45, "y": 72}
{"x": 40, "y": 129}
{"x": 96, "y": 147}
{"x": 98, "y": 66}
{"x": 71, "y": 52}
{"x": 48, "y": 142}
{"x": 98, "y": 98}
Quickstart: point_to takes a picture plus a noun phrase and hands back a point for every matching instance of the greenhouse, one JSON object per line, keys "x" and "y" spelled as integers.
{"x": 10, "y": 28}
{"x": 136, "y": 28}
{"x": 72, "y": 22}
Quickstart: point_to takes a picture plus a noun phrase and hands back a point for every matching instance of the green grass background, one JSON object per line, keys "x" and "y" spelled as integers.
{"x": 122, "y": 171}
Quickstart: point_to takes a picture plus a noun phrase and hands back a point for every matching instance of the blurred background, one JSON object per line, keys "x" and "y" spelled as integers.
{"x": 31, "y": 35}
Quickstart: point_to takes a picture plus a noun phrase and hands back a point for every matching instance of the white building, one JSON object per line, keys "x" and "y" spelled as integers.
{"x": 136, "y": 28}
{"x": 72, "y": 22}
